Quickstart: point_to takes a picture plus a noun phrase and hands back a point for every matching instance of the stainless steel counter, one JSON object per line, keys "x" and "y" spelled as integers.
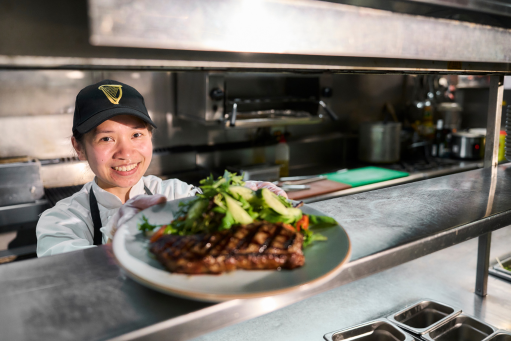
{"x": 83, "y": 295}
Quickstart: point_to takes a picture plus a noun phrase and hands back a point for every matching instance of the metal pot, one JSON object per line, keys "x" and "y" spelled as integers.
{"x": 467, "y": 145}
{"x": 379, "y": 142}
{"x": 451, "y": 115}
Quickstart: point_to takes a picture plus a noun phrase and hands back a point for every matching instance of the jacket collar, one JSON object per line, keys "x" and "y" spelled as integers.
{"x": 109, "y": 200}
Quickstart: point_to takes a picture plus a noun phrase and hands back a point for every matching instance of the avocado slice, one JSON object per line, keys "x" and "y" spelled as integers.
{"x": 197, "y": 209}
{"x": 273, "y": 202}
{"x": 244, "y": 192}
{"x": 295, "y": 213}
{"x": 238, "y": 213}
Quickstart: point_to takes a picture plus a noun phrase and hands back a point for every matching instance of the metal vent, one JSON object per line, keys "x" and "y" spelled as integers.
{"x": 57, "y": 194}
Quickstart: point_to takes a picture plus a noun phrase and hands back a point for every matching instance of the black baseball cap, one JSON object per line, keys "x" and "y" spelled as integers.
{"x": 98, "y": 102}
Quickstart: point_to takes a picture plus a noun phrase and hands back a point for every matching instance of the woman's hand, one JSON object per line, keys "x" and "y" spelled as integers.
{"x": 255, "y": 185}
{"x": 130, "y": 209}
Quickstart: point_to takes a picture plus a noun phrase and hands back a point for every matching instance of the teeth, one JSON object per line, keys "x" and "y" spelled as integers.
{"x": 126, "y": 168}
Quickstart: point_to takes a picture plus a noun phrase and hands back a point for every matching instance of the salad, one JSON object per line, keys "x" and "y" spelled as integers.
{"x": 225, "y": 202}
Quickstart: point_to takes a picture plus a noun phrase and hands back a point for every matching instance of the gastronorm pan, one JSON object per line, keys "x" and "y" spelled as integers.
{"x": 498, "y": 271}
{"x": 500, "y": 335}
{"x": 423, "y": 316}
{"x": 376, "y": 330}
{"x": 462, "y": 327}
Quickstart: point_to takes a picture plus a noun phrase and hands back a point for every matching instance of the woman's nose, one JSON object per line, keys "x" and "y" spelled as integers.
{"x": 124, "y": 150}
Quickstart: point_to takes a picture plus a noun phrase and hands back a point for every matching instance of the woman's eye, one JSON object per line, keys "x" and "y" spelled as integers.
{"x": 105, "y": 139}
{"x": 137, "y": 135}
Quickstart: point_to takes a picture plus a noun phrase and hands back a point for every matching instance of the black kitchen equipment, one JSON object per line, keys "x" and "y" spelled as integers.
{"x": 467, "y": 145}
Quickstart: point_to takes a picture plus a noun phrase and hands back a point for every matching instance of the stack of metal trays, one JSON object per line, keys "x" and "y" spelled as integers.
{"x": 425, "y": 320}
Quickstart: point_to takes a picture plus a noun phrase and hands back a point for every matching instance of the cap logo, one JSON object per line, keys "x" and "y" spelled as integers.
{"x": 113, "y": 92}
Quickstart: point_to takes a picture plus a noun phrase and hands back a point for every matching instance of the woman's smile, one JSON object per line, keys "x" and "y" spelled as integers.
{"x": 125, "y": 169}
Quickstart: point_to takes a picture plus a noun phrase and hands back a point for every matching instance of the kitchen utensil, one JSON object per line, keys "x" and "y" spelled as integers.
{"x": 467, "y": 145}
{"x": 323, "y": 262}
{"x": 376, "y": 330}
{"x": 318, "y": 188}
{"x": 305, "y": 181}
{"x": 379, "y": 142}
{"x": 292, "y": 188}
{"x": 424, "y": 316}
{"x": 365, "y": 176}
{"x": 451, "y": 114}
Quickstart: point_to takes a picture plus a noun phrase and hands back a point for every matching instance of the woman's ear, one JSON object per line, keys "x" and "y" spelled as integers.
{"x": 79, "y": 149}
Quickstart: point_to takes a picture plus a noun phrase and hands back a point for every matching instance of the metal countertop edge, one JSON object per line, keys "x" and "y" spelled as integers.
{"x": 394, "y": 182}
{"x": 231, "y": 312}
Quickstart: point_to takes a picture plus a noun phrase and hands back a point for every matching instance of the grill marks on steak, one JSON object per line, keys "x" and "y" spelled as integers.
{"x": 257, "y": 246}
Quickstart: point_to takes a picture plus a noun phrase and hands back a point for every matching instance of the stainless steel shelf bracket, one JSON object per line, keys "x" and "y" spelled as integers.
{"x": 490, "y": 161}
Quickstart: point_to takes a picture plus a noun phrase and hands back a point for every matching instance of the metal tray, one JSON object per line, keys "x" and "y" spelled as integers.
{"x": 500, "y": 335}
{"x": 376, "y": 330}
{"x": 423, "y": 316}
{"x": 498, "y": 271}
{"x": 462, "y": 327}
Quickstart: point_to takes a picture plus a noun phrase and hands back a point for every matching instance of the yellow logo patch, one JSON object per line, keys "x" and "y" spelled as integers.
{"x": 113, "y": 92}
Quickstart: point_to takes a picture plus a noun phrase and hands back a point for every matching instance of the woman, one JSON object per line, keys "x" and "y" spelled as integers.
{"x": 112, "y": 131}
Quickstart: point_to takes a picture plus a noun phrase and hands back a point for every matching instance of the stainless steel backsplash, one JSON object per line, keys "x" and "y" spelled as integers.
{"x": 36, "y": 112}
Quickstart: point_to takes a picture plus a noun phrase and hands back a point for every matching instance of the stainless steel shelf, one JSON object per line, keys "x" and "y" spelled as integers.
{"x": 306, "y": 36}
{"x": 84, "y": 294}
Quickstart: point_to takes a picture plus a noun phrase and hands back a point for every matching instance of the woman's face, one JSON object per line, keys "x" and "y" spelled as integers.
{"x": 119, "y": 151}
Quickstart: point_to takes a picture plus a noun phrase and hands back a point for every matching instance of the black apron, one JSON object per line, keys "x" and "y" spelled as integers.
{"x": 95, "y": 213}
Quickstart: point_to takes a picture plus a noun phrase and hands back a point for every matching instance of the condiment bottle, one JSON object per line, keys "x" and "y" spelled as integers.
{"x": 427, "y": 126}
{"x": 438, "y": 143}
{"x": 283, "y": 156}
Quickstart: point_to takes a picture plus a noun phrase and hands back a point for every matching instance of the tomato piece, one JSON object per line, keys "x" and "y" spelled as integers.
{"x": 289, "y": 227}
{"x": 306, "y": 222}
{"x": 303, "y": 223}
{"x": 158, "y": 234}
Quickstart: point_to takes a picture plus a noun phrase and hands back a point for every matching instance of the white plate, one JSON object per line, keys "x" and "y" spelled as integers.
{"x": 324, "y": 259}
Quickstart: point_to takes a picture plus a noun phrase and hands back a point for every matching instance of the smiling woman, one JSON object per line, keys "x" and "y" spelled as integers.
{"x": 112, "y": 131}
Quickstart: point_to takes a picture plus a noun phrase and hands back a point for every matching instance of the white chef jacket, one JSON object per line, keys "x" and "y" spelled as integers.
{"x": 68, "y": 226}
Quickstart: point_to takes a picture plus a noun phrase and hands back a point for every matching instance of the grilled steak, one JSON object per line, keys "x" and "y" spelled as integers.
{"x": 256, "y": 246}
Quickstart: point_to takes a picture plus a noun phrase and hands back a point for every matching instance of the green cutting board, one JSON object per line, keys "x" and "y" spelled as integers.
{"x": 365, "y": 176}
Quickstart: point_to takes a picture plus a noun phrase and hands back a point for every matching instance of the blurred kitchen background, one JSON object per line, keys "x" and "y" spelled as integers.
{"x": 334, "y": 125}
